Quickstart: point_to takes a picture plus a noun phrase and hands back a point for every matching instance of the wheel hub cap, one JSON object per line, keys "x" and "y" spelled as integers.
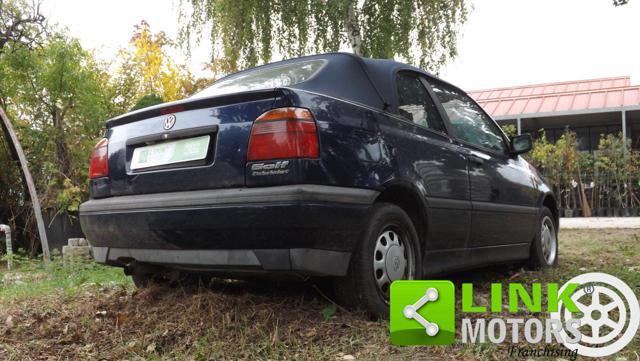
{"x": 548, "y": 240}
{"x": 395, "y": 262}
{"x": 392, "y": 260}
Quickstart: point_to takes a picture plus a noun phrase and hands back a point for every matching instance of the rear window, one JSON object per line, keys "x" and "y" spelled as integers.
{"x": 264, "y": 78}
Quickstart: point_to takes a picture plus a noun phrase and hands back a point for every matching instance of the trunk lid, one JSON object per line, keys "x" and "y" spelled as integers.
{"x": 186, "y": 145}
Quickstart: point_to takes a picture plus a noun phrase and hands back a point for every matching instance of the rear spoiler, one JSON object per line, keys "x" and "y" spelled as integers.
{"x": 190, "y": 104}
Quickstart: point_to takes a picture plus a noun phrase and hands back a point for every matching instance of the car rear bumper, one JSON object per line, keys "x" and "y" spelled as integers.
{"x": 317, "y": 262}
{"x": 309, "y": 229}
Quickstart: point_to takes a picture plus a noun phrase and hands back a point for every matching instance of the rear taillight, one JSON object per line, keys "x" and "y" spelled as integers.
{"x": 100, "y": 160}
{"x": 283, "y": 133}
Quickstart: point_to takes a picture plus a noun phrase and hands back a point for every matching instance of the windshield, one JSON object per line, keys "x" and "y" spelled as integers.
{"x": 264, "y": 78}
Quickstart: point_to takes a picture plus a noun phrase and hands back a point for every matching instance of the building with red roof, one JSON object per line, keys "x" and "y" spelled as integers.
{"x": 588, "y": 107}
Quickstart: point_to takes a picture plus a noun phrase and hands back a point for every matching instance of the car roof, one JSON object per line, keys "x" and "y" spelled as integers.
{"x": 345, "y": 76}
{"x": 350, "y": 77}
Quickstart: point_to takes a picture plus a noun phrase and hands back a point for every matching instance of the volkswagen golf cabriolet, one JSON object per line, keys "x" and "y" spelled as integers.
{"x": 362, "y": 170}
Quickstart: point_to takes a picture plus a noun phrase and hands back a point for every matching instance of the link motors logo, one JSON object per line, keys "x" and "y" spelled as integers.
{"x": 593, "y": 314}
{"x": 610, "y": 314}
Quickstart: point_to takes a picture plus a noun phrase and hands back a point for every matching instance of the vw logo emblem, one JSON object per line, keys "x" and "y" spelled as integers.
{"x": 169, "y": 122}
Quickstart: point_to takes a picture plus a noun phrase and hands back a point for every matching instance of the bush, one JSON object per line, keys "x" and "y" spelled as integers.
{"x": 147, "y": 101}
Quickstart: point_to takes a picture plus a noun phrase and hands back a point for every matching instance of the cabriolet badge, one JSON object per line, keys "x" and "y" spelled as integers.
{"x": 169, "y": 122}
{"x": 277, "y": 168}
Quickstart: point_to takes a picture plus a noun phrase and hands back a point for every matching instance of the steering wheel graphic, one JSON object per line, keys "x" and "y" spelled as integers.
{"x": 597, "y": 314}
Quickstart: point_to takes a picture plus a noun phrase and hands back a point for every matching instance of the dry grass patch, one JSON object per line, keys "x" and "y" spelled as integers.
{"x": 79, "y": 316}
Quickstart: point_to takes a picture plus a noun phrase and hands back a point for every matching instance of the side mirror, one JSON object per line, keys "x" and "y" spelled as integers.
{"x": 521, "y": 144}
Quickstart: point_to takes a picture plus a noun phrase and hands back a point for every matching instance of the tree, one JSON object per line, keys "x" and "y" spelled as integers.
{"x": 145, "y": 68}
{"x": 21, "y": 25}
{"x": 147, "y": 101}
{"x": 20, "y": 22}
{"x": 423, "y": 32}
{"x": 58, "y": 99}
{"x": 510, "y": 130}
{"x": 615, "y": 158}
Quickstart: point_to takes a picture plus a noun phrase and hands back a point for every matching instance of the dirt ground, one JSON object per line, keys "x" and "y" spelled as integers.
{"x": 95, "y": 313}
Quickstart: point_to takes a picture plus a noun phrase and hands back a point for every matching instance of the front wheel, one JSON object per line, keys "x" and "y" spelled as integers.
{"x": 389, "y": 250}
{"x": 544, "y": 249}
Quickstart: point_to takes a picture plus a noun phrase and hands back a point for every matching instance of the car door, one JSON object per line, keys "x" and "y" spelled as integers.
{"x": 503, "y": 197}
{"x": 438, "y": 164}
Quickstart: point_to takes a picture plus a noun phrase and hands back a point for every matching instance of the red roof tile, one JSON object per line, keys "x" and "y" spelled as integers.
{"x": 559, "y": 97}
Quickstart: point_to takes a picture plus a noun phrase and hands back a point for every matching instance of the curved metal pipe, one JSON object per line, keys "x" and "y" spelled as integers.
{"x": 7, "y": 233}
{"x": 15, "y": 146}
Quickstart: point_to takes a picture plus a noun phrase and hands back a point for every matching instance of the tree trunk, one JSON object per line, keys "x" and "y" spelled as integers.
{"x": 352, "y": 27}
{"x": 586, "y": 208}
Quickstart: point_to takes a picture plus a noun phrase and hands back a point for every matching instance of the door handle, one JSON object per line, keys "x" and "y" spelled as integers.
{"x": 478, "y": 157}
{"x": 475, "y": 159}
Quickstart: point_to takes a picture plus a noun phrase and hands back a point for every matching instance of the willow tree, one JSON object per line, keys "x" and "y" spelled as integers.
{"x": 246, "y": 33}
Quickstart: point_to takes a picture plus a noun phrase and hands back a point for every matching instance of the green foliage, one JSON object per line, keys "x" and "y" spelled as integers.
{"x": 328, "y": 312}
{"x": 20, "y": 23}
{"x": 58, "y": 97}
{"x": 542, "y": 152}
{"x": 614, "y": 170}
{"x": 32, "y": 278}
{"x": 567, "y": 155}
{"x": 510, "y": 130}
{"x": 144, "y": 68}
{"x": 246, "y": 33}
{"x": 147, "y": 101}
{"x": 616, "y": 159}
{"x": 58, "y": 101}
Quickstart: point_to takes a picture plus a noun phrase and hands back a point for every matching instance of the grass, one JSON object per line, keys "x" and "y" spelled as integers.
{"x": 33, "y": 279}
{"x": 88, "y": 312}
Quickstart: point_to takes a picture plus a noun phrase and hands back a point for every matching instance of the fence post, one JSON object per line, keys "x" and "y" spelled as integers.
{"x": 624, "y": 130}
{"x": 33, "y": 194}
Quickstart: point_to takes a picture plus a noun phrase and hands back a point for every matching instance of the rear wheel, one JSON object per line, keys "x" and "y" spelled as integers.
{"x": 544, "y": 249}
{"x": 388, "y": 250}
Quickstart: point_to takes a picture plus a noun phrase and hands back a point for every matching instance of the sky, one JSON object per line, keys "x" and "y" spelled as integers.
{"x": 503, "y": 42}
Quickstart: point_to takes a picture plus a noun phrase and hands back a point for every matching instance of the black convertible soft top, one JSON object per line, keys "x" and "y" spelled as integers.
{"x": 351, "y": 77}
{"x": 346, "y": 76}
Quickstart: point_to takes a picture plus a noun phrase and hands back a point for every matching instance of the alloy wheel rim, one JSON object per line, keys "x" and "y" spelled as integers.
{"x": 393, "y": 259}
{"x": 548, "y": 240}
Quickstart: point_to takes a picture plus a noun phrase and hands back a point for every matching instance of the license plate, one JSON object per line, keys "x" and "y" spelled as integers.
{"x": 179, "y": 151}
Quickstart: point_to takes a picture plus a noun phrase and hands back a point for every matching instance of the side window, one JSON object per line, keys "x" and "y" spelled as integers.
{"x": 415, "y": 104}
{"x": 468, "y": 122}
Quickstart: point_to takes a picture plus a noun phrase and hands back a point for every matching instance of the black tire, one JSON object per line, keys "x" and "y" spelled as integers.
{"x": 359, "y": 289}
{"x": 538, "y": 258}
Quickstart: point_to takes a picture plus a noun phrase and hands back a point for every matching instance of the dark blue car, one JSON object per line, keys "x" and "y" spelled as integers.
{"x": 363, "y": 170}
